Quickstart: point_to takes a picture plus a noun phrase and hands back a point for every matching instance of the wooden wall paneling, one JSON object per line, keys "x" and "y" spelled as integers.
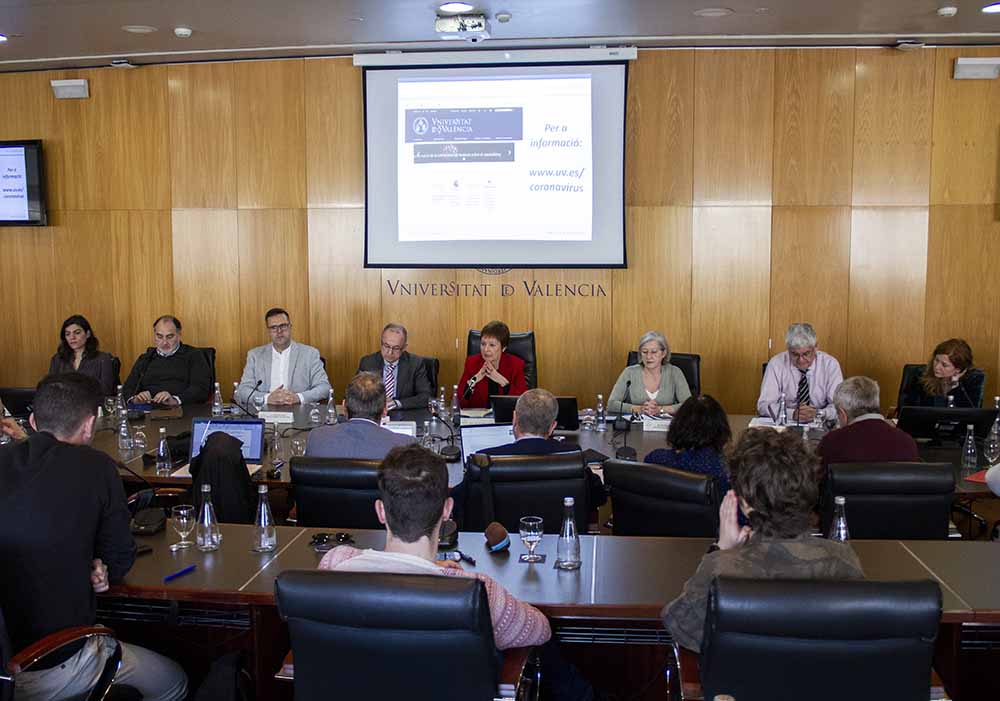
{"x": 963, "y": 292}
{"x": 274, "y": 272}
{"x": 894, "y": 93}
{"x": 730, "y": 293}
{"x": 483, "y": 300}
{"x": 659, "y": 158}
{"x": 202, "y": 115}
{"x": 414, "y": 298}
{"x": 654, "y": 293}
{"x": 345, "y": 305}
{"x": 28, "y": 114}
{"x": 810, "y": 274}
{"x": 206, "y": 270}
{"x": 965, "y": 164}
{"x": 572, "y": 339}
{"x": 335, "y": 155}
{"x": 733, "y": 126}
{"x": 813, "y": 126}
{"x": 888, "y": 284}
{"x": 29, "y": 314}
{"x": 82, "y": 175}
{"x": 270, "y": 134}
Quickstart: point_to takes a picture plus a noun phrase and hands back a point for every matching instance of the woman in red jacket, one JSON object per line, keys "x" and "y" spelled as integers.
{"x": 491, "y": 371}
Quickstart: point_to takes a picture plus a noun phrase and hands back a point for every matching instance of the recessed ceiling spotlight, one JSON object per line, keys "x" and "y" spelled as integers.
{"x": 993, "y": 9}
{"x": 763, "y": 11}
{"x": 947, "y": 11}
{"x": 713, "y": 12}
{"x": 138, "y": 29}
{"x": 183, "y": 32}
{"x": 503, "y": 17}
{"x": 356, "y": 19}
{"x": 456, "y": 7}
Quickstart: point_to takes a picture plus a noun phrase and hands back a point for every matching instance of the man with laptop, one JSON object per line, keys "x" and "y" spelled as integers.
{"x": 404, "y": 376}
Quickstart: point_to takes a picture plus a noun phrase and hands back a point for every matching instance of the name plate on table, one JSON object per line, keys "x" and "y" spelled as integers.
{"x": 765, "y": 422}
{"x": 651, "y": 424}
{"x": 276, "y": 417}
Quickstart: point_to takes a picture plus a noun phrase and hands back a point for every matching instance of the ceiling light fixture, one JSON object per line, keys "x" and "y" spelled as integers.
{"x": 138, "y": 29}
{"x": 183, "y": 32}
{"x": 713, "y": 12}
{"x": 993, "y": 9}
{"x": 456, "y": 7}
{"x": 947, "y": 11}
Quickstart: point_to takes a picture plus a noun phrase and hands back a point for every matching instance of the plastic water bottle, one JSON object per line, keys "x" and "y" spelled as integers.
{"x": 217, "y": 401}
{"x": 236, "y": 411}
{"x": 120, "y": 407}
{"x": 996, "y": 402}
{"x": 951, "y": 401}
{"x": 970, "y": 455}
{"x": 441, "y": 404}
{"x": 163, "y": 461}
{"x": 602, "y": 415}
{"x": 265, "y": 535}
{"x": 331, "y": 409}
{"x": 427, "y": 440}
{"x": 783, "y": 412}
{"x": 456, "y": 409}
{"x": 207, "y": 535}
{"x": 568, "y": 547}
{"x": 838, "y": 528}
{"x": 124, "y": 433}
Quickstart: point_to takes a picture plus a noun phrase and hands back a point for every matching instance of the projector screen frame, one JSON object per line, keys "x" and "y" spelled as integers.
{"x": 624, "y": 62}
{"x": 43, "y": 206}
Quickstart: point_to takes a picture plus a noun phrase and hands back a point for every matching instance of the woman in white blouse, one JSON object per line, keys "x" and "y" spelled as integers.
{"x": 652, "y": 386}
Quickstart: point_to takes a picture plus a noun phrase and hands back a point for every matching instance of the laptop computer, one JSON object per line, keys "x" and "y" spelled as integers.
{"x": 248, "y": 431}
{"x": 568, "y": 418}
{"x": 17, "y": 400}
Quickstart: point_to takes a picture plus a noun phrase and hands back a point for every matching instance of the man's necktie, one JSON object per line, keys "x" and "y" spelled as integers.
{"x": 803, "y": 388}
{"x": 389, "y": 380}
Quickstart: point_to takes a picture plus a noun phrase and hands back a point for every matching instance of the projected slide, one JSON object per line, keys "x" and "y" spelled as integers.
{"x": 505, "y": 158}
{"x": 13, "y": 184}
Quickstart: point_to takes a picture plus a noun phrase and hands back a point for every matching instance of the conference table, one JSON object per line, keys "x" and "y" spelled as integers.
{"x": 614, "y": 598}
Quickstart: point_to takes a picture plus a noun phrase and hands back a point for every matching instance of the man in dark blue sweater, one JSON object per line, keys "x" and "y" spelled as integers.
{"x": 169, "y": 373}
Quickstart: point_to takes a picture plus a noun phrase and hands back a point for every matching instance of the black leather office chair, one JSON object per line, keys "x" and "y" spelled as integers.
{"x": 389, "y": 636}
{"x": 653, "y": 500}
{"x": 688, "y": 363}
{"x": 433, "y": 366}
{"x": 506, "y": 487}
{"x": 891, "y": 500}
{"x": 788, "y": 640}
{"x": 209, "y": 354}
{"x": 17, "y": 400}
{"x": 335, "y": 492}
{"x": 522, "y": 344}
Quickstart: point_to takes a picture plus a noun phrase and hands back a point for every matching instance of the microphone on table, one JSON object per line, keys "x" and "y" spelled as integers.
{"x": 450, "y": 452}
{"x": 623, "y": 426}
{"x": 147, "y": 359}
{"x": 469, "y": 386}
{"x": 246, "y": 409}
{"x": 497, "y": 538}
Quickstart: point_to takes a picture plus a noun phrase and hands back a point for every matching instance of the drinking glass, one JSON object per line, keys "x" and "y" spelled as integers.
{"x": 298, "y": 447}
{"x": 315, "y": 417}
{"x": 258, "y": 402}
{"x": 110, "y": 404}
{"x": 182, "y": 519}
{"x": 531, "y": 536}
{"x": 588, "y": 417}
{"x": 139, "y": 441}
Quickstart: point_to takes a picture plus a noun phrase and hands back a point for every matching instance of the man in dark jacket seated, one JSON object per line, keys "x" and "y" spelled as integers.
{"x": 534, "y": 422}
{"x": 169, "y": 373}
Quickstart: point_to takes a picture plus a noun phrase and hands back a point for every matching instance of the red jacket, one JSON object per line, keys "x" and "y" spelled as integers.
{"x": 511, "y": 367}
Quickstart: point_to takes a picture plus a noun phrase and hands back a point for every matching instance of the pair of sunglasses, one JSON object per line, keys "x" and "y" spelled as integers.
{"x": 321, "y": 542}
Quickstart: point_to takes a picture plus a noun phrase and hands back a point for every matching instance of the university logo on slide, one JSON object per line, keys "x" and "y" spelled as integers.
{"x": 420, "y": 126}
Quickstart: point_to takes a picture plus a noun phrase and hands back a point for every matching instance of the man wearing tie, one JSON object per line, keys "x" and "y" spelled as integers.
{"x": 806, "y": 376}
{"x": 283, "y": 372}
{"x": 404, "y": 376}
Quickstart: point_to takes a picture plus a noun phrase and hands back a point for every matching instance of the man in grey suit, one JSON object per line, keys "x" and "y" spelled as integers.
{"x": 287, "y": 372}
{"x": 404, "y": 375}
{"x": 360, "y": 436}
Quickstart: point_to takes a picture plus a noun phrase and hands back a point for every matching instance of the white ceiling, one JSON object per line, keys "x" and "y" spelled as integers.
{"x": 65, "y": 33}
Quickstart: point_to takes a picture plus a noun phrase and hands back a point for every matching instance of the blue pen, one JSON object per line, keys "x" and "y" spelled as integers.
{"x": 179, "y": 573}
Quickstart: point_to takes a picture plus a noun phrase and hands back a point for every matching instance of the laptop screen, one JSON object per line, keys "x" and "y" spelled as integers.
{"x": 249, "y": 431}
{"x": 476, "y": 438}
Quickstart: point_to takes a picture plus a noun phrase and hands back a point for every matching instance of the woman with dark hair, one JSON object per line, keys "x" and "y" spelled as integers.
{"x": 949, "y": 372}
{"x": 78, "y": 352}
{"x": 774, "y": 484}
{"x": 697, "y": 436}
{"x": 491, "y": 371}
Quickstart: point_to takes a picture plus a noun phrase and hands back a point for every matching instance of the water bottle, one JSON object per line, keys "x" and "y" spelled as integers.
{"x": 124, "y": 433}
{"x": 331, "y": 409}
{"x": 568, "y": 547}
{"x": 602, "y": 415}
{"x": 207, "y": 535}
{"x": 427, "y": 440}
{"x": 236, "y": 399}
{"x": 951, "y": 401}
{"x": 120, "y": 407}
{"x": 838, "y": 529}
{"x": 996, "y": 402}
{"x": 456, "y": 410}
{"x": 991, "y": 446}
{"x": 217, "y": 401}
{"x": 441, "y": 404}
{"x": 782, "y": 412}
{"x": 163, "y": 461}
{"x": 265, "y": 535}
{"x": 970, "y": 455}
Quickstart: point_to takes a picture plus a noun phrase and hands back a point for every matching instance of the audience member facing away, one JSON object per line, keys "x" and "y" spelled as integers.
{"x": 774, "y": 483}
{"x": 66, "y": 535}
{"x": 651, "y": 386}
{"x": 169, "y": 373}
{"x": 288, "y": 372}
{"x": 491, "y": 371}
{"x": 806, "y": 376}
{"x": 864, "y": 434}
{"x": 361, "y": 436}
{"x": 79, "y": 351}
{"x": 697, "y": 436}
{"x": 534, "y": 422}
{"x": 404, "y": 375}
{"x": 949, "y": 371}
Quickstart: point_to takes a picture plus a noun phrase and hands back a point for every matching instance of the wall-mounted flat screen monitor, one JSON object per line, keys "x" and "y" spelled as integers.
{"x": 22, "y": 184}
{"x": 513, "y": 166}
